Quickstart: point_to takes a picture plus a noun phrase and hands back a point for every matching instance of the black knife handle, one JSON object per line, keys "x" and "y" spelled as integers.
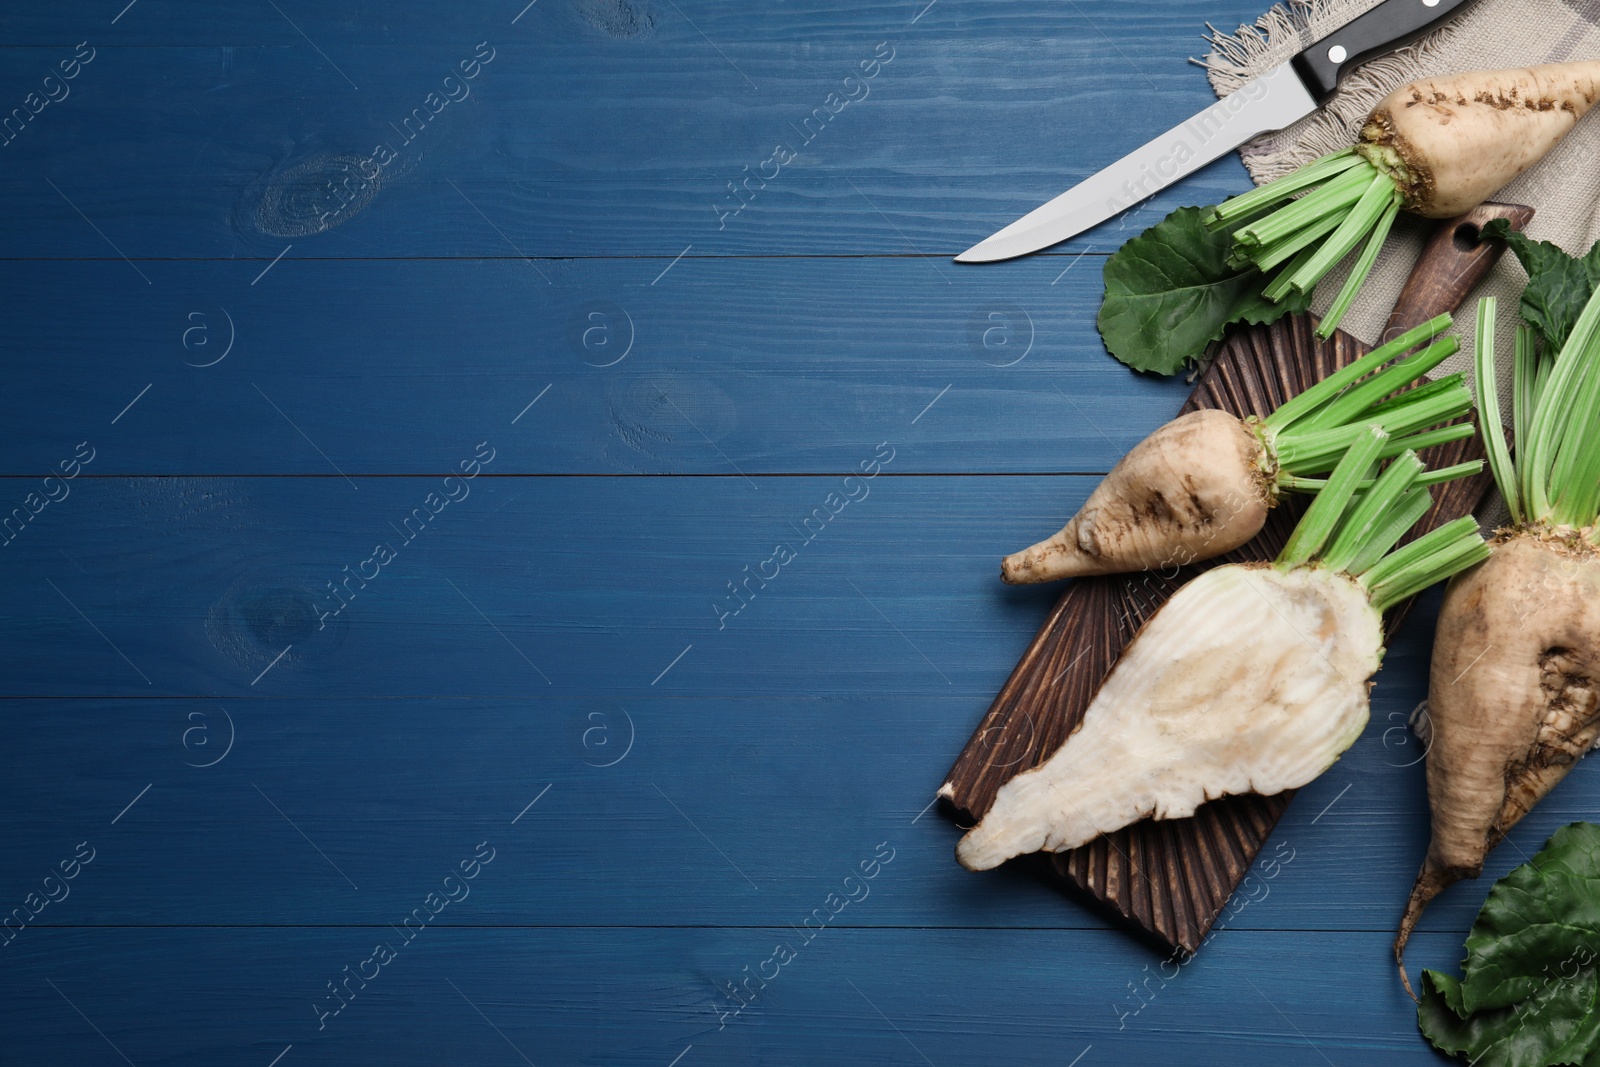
{"x": 1388, "y": 26}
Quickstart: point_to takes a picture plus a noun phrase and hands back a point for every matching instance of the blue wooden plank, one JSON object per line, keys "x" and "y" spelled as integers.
{"x": 202, "y": 583}
{"x": 770, "y": 365}
{"x": 439, "y": 211}
{"x": 202, "y": 996}
{"x": 577, "y": 143}
{"x": 603, "y": 28}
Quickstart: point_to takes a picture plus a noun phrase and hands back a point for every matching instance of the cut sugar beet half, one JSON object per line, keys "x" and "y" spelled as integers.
{"x": 1437, "y": 147}
{"x": 1202, "y": 484}
{"x": 1252, "y": 678}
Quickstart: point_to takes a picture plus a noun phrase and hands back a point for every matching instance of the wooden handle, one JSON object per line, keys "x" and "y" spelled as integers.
{"x": 1452, "y": 262}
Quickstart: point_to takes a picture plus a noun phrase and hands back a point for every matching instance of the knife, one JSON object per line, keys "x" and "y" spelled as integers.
{"x": 1282, "y": 96}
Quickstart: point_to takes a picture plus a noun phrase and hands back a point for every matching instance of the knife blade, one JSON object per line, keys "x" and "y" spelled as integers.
{"x": 1278, "y": 98}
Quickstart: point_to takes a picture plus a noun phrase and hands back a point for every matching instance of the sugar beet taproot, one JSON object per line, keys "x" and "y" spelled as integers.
{"x": 1202, "y": 485}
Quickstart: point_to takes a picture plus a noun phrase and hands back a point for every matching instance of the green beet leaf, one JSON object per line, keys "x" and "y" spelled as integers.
{"x": 1530, "y": 992}
{"x": 1171, "y": 291}
{"x": 1559, "y": 284}
{"x": 1557, "y": 1025}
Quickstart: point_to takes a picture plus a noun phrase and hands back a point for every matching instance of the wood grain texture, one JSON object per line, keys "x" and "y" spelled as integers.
{"x": 641, "y": 997}
{"x": 153, "y": 603}
{"x": 599, "y": 582}
{"x": 1171, "y": 878}
{"x": 388, "y": 786}
{"x": 772, "y": 365}
{"x": 446, "y": 211}
{"x": 600, "y": 128}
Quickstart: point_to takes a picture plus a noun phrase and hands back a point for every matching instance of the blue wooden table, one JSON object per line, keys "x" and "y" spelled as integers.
{"x": 503, "y": 505}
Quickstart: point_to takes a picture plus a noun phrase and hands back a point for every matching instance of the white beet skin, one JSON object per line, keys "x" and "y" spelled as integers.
{"x": 1249, "y": 679}
{"x": 1513, "y": 699}
{"x": 1196, "y": 488}
{"x": 1453, "y": 142}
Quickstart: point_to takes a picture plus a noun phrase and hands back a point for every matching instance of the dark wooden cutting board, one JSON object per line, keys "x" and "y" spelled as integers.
{"x": 1171, "y": 878}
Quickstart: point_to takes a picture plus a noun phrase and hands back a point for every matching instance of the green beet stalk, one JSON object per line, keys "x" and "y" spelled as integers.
{"x": 1433, "y": 557}
{"x": 1309, "y": 433}
{"x": 1330, "y": 387}
{"x": 1378, "y": 197}
{"x": 1371, "y": 511}
{"x": 1248, "y": 204}
{"x": 1348, "y": 200}
{"x": 1358, "y": 273}
{"x": 1436, "y": 476}
{"x": 1372, "y": 392}
{"x": 1354, "y": 532}
{"x": 1402, "y": 515}
{"x": 1321, "y": 518}
{"x": 1494, "y": 434}
{"x": 1333, "y": 198}
{"x": 1563, "y": 420}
